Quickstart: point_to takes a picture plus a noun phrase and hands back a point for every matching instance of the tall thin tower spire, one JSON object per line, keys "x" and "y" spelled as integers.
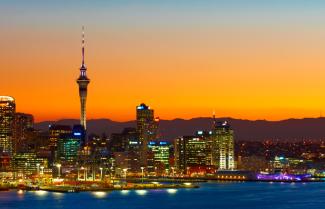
{"x": 83, "y": 82}
{"x": 214, "y": 119}
{"x": 83, "y": 45}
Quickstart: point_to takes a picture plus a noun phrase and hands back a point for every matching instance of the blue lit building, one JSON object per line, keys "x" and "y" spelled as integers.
{"x": 161, "y": 153}
{"x": 69, "y": 145}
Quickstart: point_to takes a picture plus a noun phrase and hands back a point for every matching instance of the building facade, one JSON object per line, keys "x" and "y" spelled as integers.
{"x": 190, "y": 151}
{"x": 146, "y": 128}
{"x": 161, "y": 156}
{"x": 23, "y": 128}
{"x": 68, "y": 147}
{"x": 222, "y": 138}
{"x": 7, "y": 122}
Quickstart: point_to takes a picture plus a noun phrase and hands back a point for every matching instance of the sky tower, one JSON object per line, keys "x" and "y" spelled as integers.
{"x": 83, "y": 82}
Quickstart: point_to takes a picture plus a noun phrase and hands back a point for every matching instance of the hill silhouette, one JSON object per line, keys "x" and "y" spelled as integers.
{"x": 307, "y": 128}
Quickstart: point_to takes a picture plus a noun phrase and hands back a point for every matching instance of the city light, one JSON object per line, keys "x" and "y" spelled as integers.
{"x": 99, "y": 194}
{"x": 125, "y": 192}
{"x": 41, "y": 193}
{"x": 141, "y": 192}
{"x": 171, "y": 191}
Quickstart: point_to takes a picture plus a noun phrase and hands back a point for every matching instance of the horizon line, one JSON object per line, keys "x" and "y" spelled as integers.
{"x": 231, "y": 118}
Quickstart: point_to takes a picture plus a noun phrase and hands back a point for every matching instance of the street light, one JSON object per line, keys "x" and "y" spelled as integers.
{"x": 82, "y": 168}
{"x": 167, "y": 172}
{"x": 111, "y": 175}
{"x": 156, "y": 171}
{"x": 142, "y": 168}
{"x": 125, "y": 170}
{"x": 26, "y": 169}
{"x": 173, "y": 169}
{"x": 101, "y": 173}
{"x": 58, "y": 166}
{"x": 42, "y": 170}
{"x": 37, "y": 165}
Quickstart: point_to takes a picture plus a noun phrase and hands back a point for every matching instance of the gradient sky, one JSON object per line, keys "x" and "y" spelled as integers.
{"x": 262, "y": 59}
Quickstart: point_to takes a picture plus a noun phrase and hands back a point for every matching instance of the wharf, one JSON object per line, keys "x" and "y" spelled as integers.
{"x": 70, "y": 189}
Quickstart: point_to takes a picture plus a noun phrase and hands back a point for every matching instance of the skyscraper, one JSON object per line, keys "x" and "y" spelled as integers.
{"x": 223, "y": 146}
{"x": 7, "y": 118}
{"x": 83, "y": 82}
{"x": 146, "y": 128}
{"x": 24, "y": 124}
{"x": 190, "y": 151}
{"x": 161, "y": 155}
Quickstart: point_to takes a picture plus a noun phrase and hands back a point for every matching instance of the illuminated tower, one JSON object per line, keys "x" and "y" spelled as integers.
{"x": 7, "y": 117}
{"x": 146, "y": 128}
{"x": 83, "y": 82}
{"x": 223, "y": 146}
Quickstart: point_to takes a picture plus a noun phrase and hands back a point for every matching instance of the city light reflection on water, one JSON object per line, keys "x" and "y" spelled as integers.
{"x": 141, "y": 192}
{"x": 229, "y": 196}
{"x": 41, "y": 193}
{"x": 125, "y": 192}
{"x": 20, "y": 192}
{"x": 58, "y": 194}
{"x": 171, "y": 191}
{"x": 99, "y": 194}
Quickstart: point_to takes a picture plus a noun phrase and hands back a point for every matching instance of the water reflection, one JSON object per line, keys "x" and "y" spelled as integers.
{"x": 171, "y": 191}
{"x": 41, "y": 193}
{"x": 99, "y": 194}
{"x": 141, "y": 192}
{"x": 58, "y": 194}
{"x": 125, "y": 192}
{"x": 20, "y": 192}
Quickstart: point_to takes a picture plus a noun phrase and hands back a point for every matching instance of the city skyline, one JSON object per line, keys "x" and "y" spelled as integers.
{"x": 244, "y": 60}
{"x": 190, "y": 103}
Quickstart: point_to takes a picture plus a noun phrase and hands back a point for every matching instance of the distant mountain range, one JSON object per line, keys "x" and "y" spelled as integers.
{"x": 308, "y": 128}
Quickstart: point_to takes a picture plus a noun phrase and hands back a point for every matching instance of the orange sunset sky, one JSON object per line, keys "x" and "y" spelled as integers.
{"x": 249, "y": 60}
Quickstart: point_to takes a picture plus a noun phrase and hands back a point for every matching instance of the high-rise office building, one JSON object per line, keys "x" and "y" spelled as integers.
{"x": 146, "y": 128}
{"x": 68, "y": 147}
{"x": 161, "y": 155}
{"x": 54, "y": 134}
{"x": 126, "y": 146}
{"x": 190, "y": 151}
{"x": 7, "y": 122}
{"x": 83, "y": 82}
{"x": 28, "y": 163}
{"x": 23, "y": 127}
{"x": 223, "y": 146}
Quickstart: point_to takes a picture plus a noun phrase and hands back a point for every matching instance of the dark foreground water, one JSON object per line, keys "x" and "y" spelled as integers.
{"x": 244, "y": 195}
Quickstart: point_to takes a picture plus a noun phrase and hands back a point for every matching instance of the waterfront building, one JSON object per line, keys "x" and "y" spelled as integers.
{"x": 120, "y": 162}
{"x": 99, "y": 145}
{"x": 7, "y": 122}
{"x": 79, "y": 132}
{"x": 146, "y": 128}
{"x": 161, "y": 154}
{"x": 68, "y": 147}
{"x": 83, "y": 82}
{"x": 119, "y": 142}
{"x": 223, "y": 146}
{"x": 127, "y": 144}
{"x": 190, "y": 151}
{"x": 206, "y": 136}
{"x": 28, "y": 163}
{"x": 24, "y": 124}
{"x": 4, "y": 162}
{"x": 54, "y": 134}
{"x": 235, "y": 175}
